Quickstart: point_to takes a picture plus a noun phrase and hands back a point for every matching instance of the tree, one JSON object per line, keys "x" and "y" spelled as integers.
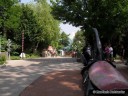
{"x": 27, "y": 25}
{"x": 9, "y": 15}
{"x": 49, "y": 26}
{"x": 39, "y": 30}
{"x": 34, "y": 20}
{"x": 79, "y": 41}
{"x": 64, "y": 40}
{"x": 110, "y": 17}
{"x": 9, "y": 20}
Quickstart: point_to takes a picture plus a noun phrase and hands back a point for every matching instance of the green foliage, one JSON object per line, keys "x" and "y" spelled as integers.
{"x": 3, "y": 42}
{"x": 2, "y": 59}
{"x": 13, "y": 18}
{"x": 79, "y": 41}
{"x": 70, "y": 11}
{"x": 14, "y": 53}
{"x": 35, "y": 20}
{"x": 110, "y": 17}
{"x": 64, "y": 40}
{"x": 30, "y": 56}
{"x": 29, "y": 26}
{"x": 15, "y": 58}
{"x": 49, "y": 27}
{"x": 9, "y": 16}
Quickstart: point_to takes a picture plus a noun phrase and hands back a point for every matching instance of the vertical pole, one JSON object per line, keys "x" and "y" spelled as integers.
{"x": 9, "y": 49}
{"x": 22, "y": 43}
{"x": 9, "y": 52}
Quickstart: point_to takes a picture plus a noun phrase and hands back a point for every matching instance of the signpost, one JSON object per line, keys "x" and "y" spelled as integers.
{"x": 22, "y": 55}
{"x": 22, "y": 41}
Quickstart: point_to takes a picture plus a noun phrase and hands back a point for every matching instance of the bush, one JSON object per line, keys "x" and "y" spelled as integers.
{"x": 2, "y": 59}
{"x": 28, "y": 56}
{"x": 32, "y": 56}
{"x": 15, "y": 53}
{"x": 15, "y": 58}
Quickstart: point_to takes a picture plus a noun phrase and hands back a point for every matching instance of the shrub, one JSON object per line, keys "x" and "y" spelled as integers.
{"x": 15, "y": 53}
{"x": 15, "y": 58}
{"x": 31, "y": 56}
{"x": 2, "y": 59}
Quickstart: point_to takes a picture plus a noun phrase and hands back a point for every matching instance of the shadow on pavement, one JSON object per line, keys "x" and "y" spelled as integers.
{"x": 13, "y": 79}
{"x": 54, "y": 60}
{"x": 56, "y": 83}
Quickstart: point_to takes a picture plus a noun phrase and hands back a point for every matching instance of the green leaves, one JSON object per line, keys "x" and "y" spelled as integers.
{"x": 79, "y": 41}
{"x": 35, "y": 20}
{"x": 64, "y": 40}
{"x": 49, "y": 26}
{"x": 108, "y": 16}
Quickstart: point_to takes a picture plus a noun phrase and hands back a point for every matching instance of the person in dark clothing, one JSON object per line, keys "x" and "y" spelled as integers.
{"x": 86, "y": 54}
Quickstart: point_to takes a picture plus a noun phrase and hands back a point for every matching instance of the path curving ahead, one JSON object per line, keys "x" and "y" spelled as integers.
{"x": 27, "y": 77}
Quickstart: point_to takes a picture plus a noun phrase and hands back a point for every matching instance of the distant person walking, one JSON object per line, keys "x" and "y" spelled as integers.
{"x": 110, "y": 53}
{"x": 86, "y": 54}
{"x": 89, "y": 50}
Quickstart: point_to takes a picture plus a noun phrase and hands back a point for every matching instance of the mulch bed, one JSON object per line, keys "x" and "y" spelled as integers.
{"x": 57, "y": 83}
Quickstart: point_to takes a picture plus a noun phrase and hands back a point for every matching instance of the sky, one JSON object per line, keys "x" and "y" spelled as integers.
{"x": 68, "y": 29}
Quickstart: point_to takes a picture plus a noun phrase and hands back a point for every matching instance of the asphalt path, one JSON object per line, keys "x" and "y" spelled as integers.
{"x": 18, "y": 74}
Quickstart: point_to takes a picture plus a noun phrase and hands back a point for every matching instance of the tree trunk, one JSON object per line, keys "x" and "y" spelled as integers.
{"x": 35, "y": 48}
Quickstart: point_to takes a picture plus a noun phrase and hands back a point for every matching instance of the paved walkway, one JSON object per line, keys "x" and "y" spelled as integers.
{"x": 62, "y": 83}
{"x": 26, "y": 77}
{"x": 56, "y": 83}
{"x": 18, "y": 74}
